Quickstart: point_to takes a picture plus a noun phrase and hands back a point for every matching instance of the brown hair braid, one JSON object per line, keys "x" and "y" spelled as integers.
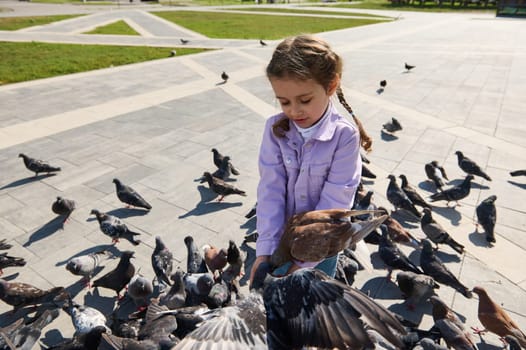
{"x": 365, "y": 140}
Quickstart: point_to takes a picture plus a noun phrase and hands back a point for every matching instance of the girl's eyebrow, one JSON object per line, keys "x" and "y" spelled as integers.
{"x": 299, "y": 96}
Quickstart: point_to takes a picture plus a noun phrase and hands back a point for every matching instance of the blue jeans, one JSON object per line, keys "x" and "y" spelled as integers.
{"x": 328, "y": 266}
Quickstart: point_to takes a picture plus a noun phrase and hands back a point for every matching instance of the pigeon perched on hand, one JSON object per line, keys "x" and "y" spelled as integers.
{"x": 470, "y": 167}
{"x": 436, "y": 173}
{"x": 408, "y": 67}
{"x": 437, "y": 234}
{"x": 455, "y": 193}
{"x": 129, "y": 196}
{"x": 162, "y": 262}
{"x": 487, "y": 217}
{"x": 64, "y": 207}
{"x": 113, "y": 227}
{"x": 398, "y": 198}
{"x": 10, "y": 261}
{"x": 85, "y": 265}
{"x": 411, "y": 192}
{"x": 434, "y": 267}
{"x": 416, "y": 287}
{"x": 19, "y": 295}
{"x": 38, "y": 166}
{"x": 218, "y": 161}
{"x": 120, "y": 276}
{"x": 392, "y": 126}
{"x": 221, "y": 188}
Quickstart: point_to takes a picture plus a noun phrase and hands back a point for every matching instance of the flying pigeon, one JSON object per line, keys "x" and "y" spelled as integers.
{"x": 393, "y": 257}
{"x": 319, "y": 234}
{"x": 437, "y": 234}
{"x": 139, "y": 289}
{"x": 412, "y": 194}
{"x": 184, "y": 41}
{"x": 85, "y": 318}
{"x": 85, "y": 265}
{"x": 63, "y": 206}
{"x": 175, "y": 297}
{"x": 487, "y": 217}
{"x": 113, "y": 227}
{"x": 454, "y": 194}
{"x": 120, "y": 276}
{"x": 162, "y": 262}
{"x": 470, "y": 167}
{"x": 218, "y": 160}
{"x": 495, "y": 319}
{"x": 38, "y": 166}
{"x": 129, "y": 196}
{"x": 518, "y": 173}
{"x": 19, "y": 295}
{"x": 392, "y": 126}
{"x": 195, "y": 262}
{"x": 436, "y": 173}
{"x": 262, "y": 43}
{"x": 408, "y": 67}
{"x": 434, "y": 267}
{"x": 398, "y": 198}
{"x": 415, "y": 287}
{"x": 224, "y": 76}
{"x": 220, "y": 187}
{"x": 10, "y": 261}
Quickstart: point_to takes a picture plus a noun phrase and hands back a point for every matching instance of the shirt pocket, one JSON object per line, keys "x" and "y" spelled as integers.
{"x": 318, "y": 174}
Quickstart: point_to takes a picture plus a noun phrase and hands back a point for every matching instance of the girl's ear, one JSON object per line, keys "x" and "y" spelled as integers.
{"x": 333, "y": 85}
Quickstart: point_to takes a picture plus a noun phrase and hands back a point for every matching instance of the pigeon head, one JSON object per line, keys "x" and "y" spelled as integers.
{"x": 214, "y": 151}
{"x": 116, "y": 182}
{"x": 427, "y": 211}
{"x": 73, "y": 267}
{"x": 95, "y": 212}
{"x": 385, "y": 231}
{"x": 22, "y": 155}
{"x": 426, "y": 246}
{"x": 127, "y": 254}
{"x": 177, "y": 276}
{"x": 384, "y": 210}
{"x": 188, "y": 240}
{"x": 159, "y": 243}
{"x": 480, "y": 291}
{"x": 403, "y": 178}
{"x": 205, "y": 283}
{"x": 391, "y": 177}
{"x": 434, "y": 163}
{"x": 459, "y": 154}
{"x": 59, "y": 199}
{"x": 490, "y": 199}
{"x": 469, "y": 178}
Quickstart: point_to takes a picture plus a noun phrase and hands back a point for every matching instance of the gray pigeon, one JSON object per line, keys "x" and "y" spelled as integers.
{"x": 195, "y": 262}
{"x": 158, "y": 326}
{"x": 346, "y": 269}
{"x": 393, "y": 257}
{"x": 434, "y": 267}
{"x": 221, "y": 188}
{"x": 223, "y": 172}
{"x": 398, "y": 198}
{"x": 436, "y": 173}
{"x": 411, "y": 192}
{"x": 129, "y": 196}
{"x": 64, "y": 207}
{"x": 38, "y": 166}
{"x": 197, "y": 286}
{"x": 224, "y": 76}
{"x": 455, "y": 193}
{"x": 85, "y": 265}
{"x": 218, "y": 160}
{"x": 139, "y": 289}
{"x": 85, "y": 318}
{"x": 415, "y": 287}
{"x": 175, "y": 297}
{"x": 429, "y": 344}
{"x": 392, "y": 126}
{"x": 437, "y": 234}
{"x": 162, "y": 262}
{"x": 455, "y": 337}
{"x": 366, "y": 203}
{"x": 10, "y": 261}
{"x": 487, "y": 217}
{"x": 120, "y": 276}
{"x": 113, "y": 227}
{"x": 19, "y": 295}
{"x": 470, "y": 167}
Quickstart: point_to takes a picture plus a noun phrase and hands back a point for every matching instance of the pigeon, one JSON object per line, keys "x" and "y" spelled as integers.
{"x": 487, "y": 216}
{"x": 251, "y": 237}
{"x": 412, "y": 194}
{"x": 262, "y": 43}
{"x": 437, "y": 234}
{"x": 392, "y": 126}
{"x": 86, "y": 265}
{"x": 513, "y": 342}
{"x": 415, "y": 287}
{"x": 218, "y": 160}
{"x": 162, "y": 262}
{"x": 113, "y": 342}
{"x": 158, "y": 326}
{"x": 223, "y": 172}
{"x": 38, "y": 166}
{"x": 455, "y": 193}
{"x": 113, "y": 227}
{"x": 454, "y": 336}
{"x": 319, "y": 234}
{"x": 24, "y": 336}
{"x": 434, "y": 267}
{"x": 215, "y": 259}
{"x": 10, "y": 261}
{"x": 197, "y": 286}
{"x": 383, "y": 83}
{"x": 408, "y": 67}
{"x": 139, "y": 289}
{"x": 398, "y": 198}
{"x": 366, "y": 204}
{"x": 441, "y": 311}
{"x": 88, "y": 341}
{"x": 518, "y": 173}
{"x": 235, "y": 260}
{"x": 219, "y": 295}
{"x": 175, "y": 297}
{"x": 129, "y": 196}
{"x": 495, "y": 319}
{"x": 4, "y": 245}
{"x": 19, "y": 295}
{"x": 173, "y": 53}
{"x": 429, "y": 344}
{"x": 120, "y": 276}
{"x": 252, "y": 211}
{"x": 398, "y": 233}
{"x": 224, "y": 76}
{"x": 64, "y": 207}
{"x": 195, "y": 262}
{"x": 367, "y": 173}
{"x": 470, "y": 167}
{"x": 393, "y": 257}
{"x": 220, "y": 187}
{"x": 184, "y": 41}
{"x": 346, "y": 269}
{"x": 436, "y": 173}
{"x": 85, "y": 318}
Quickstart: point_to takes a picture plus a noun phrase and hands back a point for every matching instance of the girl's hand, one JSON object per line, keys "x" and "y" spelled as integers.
{"x": 259, "y": 260}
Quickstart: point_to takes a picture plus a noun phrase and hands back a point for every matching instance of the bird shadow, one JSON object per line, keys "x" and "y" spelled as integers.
{"x": 48, "y": 229}
{"x": 102, "y": 303}
{"x": 250, "y": 254}
{"x": 474, "y": 185}
{"x": 449, "y": 213}
{"x": 381, "y": 288}
{"x": 479, "y": 239}
{"x": 416, "y": 315}
{"x": 26, "y": 180}
{"x": 518, "y": 184}
{"x": 482, "y": 345}
{"x": 221, "y": 83}
{"x": 427, "y": 186}
{"x": 406, "y": 220}
{"x": 380, "y": 91}
{"x": 123, "y": 213}
{"x": 112, "y": 248}
{"x": 205, "y": 206}
{"x": 387, "y": 136}
{"x": 249, "y": 225}
{"x": 53, "y": 337}
{"x": 76, "y": 287}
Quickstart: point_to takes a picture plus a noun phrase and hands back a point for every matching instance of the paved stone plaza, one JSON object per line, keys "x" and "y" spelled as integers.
{"x": 153, "y": 124}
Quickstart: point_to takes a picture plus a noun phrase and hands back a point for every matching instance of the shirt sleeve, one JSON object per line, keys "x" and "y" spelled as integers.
{"x": 271, "y": 193}
{"x": 345, "y": 172}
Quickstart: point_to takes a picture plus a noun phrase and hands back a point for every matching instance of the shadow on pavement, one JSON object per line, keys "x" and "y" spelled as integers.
{"x": 123, "y": 213}
{"x": 48, "y": 229}
{"x": 26, "y": 181}
{"x": 449, "y": 213}
{"x": 205, "y": 206}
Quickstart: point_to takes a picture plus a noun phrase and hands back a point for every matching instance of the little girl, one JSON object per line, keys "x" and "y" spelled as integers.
{"x": 310, "y": 155}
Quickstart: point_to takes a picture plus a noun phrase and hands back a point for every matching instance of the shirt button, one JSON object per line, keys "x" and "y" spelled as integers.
{"x": 288, "y": 161}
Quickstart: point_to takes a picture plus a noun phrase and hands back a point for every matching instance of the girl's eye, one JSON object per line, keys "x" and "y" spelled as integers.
{"x": 306, "y": 101}
{"x": 283, "y": 103}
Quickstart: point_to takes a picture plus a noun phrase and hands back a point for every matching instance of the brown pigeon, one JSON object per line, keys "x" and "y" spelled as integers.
{"x": 19, "y": 295}
{"x": 398, "y": 233}
{"x": 319, "y": 234}
{"x": 215, "y": 258}
{"x": 458, "y": 337}
{"x": 495, "y": 319}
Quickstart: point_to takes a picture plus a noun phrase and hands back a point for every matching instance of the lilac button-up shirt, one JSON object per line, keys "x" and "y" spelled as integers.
{"x": 295, "y": 176}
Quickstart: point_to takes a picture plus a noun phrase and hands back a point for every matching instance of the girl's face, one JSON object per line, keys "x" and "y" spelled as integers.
{"x": 302, "y": 101}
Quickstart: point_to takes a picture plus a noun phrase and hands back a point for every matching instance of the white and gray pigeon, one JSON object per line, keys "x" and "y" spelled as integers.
{"x": 64, "y": 207}
{"x": 436, "y": 173}
{"x": 162, "y": 262}
{"x": 86, "y": 265}
{"x": 114, "y": 227}
{"x": 129, "y": 196}
{"x": 218, "y": 159}
{"x": 38, "y": 166}
{"x": 85, "y": 318}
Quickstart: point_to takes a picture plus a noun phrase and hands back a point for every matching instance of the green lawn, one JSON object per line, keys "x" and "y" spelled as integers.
{"x": 310, "y": 12}
{"x": 35, "y": 60}
{"x": 117, "y": 28}
{"x": 79, "y": 2}
{"x": 243, "y": 26}
{"x": 15, "y": 23}
{"x": 428, "y": 6}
